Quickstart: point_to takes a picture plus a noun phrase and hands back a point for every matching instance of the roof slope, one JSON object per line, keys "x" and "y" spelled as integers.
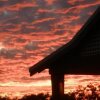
{"x": 70, "y": 46}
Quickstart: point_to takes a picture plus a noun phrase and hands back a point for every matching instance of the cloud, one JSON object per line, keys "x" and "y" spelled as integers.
{"x": 32, "y": 29}
{"x": 73, "y": 2}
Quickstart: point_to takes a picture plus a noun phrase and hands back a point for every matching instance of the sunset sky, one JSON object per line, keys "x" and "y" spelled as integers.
{"x": 32, "y": 29}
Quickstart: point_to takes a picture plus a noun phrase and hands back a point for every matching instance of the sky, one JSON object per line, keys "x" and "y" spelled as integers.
{"x": 32, "y": 29}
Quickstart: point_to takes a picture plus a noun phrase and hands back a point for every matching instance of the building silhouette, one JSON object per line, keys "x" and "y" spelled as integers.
{"x": 79, "y": 56}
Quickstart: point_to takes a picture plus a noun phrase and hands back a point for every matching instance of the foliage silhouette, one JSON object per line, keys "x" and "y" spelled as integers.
{"x": 89, "y": 92}
{"x": 40, "y": 96}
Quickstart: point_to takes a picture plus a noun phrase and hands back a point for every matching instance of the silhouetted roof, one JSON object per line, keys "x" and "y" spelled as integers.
{"x": 85, "y": 43}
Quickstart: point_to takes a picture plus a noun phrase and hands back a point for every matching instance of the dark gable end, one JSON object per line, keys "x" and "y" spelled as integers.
{"x": 85, "y": 45}
{"x": 91, "y": 45}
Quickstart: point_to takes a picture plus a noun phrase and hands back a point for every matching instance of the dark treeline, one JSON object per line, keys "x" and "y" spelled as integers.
{"x": 90, "y": 92}
{"x": 40, "y": 96}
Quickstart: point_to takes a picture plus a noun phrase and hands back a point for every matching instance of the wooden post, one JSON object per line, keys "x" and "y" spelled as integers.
{"x": 57, "y": 86}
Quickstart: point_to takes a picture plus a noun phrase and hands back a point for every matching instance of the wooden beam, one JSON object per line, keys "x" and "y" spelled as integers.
{"x": 57, "y": 81}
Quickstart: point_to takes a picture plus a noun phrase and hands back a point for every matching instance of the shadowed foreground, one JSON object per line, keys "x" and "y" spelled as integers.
{"x": 90, "y": 92}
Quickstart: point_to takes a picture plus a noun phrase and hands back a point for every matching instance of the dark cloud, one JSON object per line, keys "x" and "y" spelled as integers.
{"x": 60, "y": 32}
{"x": 61, "y": 4}
{"x": 8, "y": 54}
{"x": 20, "y": 40}
{"x": 41, "y": 4}
{"x": 27, "y": 14}
{"x": 3, "y": 3}
{"x": 5, "y": 53}
{"x": 12, "y": 2}
{"x": 31, "y": 46}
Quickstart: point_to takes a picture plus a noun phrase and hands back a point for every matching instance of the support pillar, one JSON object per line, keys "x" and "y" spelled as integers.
{"x": 57, "y": 81}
